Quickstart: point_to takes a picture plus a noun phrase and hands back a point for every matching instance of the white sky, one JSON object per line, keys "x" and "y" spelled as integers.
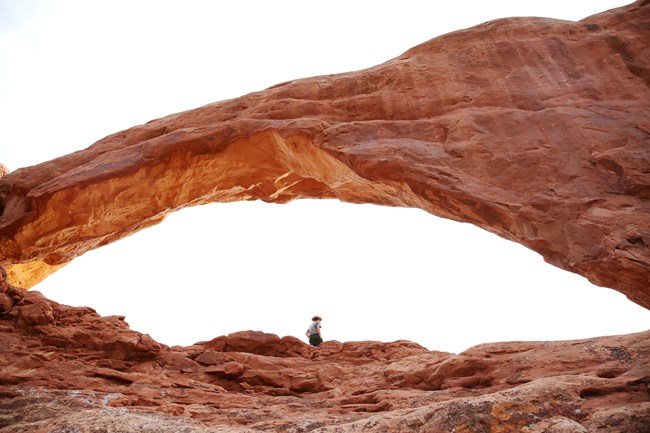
{"x": 72, "y": 72}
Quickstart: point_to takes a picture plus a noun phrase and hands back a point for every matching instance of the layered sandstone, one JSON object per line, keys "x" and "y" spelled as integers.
{"x": 65, "y": 369}
{"x": 534, "y": 129}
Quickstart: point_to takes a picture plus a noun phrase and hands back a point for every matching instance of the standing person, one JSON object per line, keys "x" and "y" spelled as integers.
{"x": 313, "y": 333}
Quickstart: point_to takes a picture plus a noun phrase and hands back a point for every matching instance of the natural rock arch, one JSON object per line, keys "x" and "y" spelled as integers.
{"x": 534, "y": 129}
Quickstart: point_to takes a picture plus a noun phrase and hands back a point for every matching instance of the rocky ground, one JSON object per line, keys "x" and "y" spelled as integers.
{"x": 67, "y": 369}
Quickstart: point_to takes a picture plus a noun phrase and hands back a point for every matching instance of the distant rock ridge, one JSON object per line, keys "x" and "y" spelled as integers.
{"x": 68, "y": 369}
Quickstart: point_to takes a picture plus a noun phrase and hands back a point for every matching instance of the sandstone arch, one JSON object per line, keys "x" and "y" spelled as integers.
{"x": 534, "y": 129}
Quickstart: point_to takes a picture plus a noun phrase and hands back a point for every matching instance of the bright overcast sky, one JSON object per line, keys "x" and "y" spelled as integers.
{"x": 72, "y": 72}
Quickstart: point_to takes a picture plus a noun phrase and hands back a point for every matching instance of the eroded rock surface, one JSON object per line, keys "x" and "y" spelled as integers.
{"x": 534, "y": 129}
{"x": 67, "y": 369}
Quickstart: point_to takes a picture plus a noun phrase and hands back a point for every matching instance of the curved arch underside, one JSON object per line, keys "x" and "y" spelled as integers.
{"x": 534, "y": 129}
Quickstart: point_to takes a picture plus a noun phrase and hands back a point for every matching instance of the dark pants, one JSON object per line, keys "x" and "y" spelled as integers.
{"x": 315, "y": 340}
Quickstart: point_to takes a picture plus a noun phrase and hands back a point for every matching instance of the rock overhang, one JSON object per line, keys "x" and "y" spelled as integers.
{"x": 533, "y": 129}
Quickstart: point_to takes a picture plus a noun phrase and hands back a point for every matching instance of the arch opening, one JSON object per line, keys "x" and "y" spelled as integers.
{"x": 373, "y": 273}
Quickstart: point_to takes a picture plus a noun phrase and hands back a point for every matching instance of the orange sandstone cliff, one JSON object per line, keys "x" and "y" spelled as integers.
{"x": 534, "y": 129}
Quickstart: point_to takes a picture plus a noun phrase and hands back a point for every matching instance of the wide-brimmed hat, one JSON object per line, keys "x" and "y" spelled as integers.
{"x": 315, "y": 318}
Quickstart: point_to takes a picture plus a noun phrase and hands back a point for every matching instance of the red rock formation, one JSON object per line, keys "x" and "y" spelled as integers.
{"x": 65, "y": 369}
{"x": 534, "y": 129}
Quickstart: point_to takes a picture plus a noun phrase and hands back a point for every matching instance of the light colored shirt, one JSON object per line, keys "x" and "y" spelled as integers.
{"x": 313, "y": 328}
